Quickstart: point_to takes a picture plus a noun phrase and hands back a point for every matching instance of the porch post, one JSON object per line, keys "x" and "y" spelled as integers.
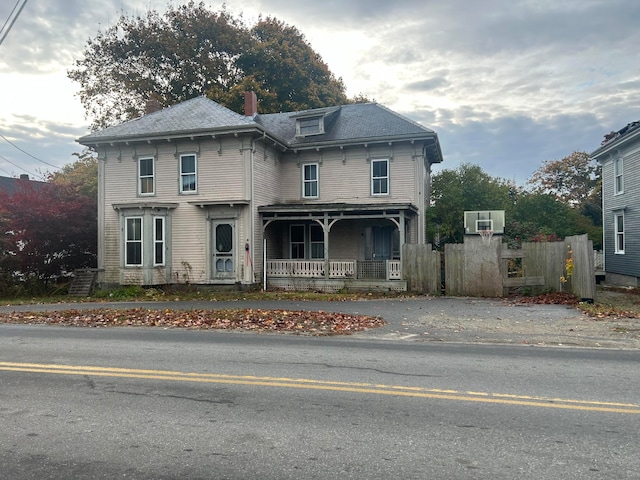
{"x": 402, "y": 229}
{"x": 325, "y": 230}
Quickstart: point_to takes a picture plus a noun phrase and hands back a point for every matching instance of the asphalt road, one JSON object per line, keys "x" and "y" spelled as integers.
{"x": 170, "y": 404}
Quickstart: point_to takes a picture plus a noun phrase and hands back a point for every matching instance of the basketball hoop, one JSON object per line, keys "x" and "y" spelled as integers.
{"x": 486, "y": 235}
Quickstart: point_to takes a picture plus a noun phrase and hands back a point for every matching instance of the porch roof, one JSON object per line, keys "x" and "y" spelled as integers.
{"x": 301, "y": 211}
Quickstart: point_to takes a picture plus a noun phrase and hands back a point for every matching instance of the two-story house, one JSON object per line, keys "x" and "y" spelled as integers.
{"x": 619, "y": 156}
{"x": 318, "y": 199}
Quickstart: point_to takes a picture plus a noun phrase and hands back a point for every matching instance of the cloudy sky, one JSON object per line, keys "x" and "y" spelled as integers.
{"x": 507, "y": 84}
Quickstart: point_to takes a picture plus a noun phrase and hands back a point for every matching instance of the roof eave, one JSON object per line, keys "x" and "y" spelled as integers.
{"x": 176, "y": 135}
{"x": 363, "y": 141}
{"x": 613, "y": 145}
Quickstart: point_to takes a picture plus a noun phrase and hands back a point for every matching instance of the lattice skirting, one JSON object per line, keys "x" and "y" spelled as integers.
{"x": 334, "y": 285}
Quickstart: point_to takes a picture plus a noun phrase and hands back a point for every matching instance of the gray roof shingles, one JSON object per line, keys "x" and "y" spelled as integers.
{"x": 350, "y": 122}
{"x": 343, "y": 124}
{"x": 194, "y": 115}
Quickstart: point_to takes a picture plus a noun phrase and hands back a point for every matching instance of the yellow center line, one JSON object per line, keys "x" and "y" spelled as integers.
{"x": 309, "y": 384}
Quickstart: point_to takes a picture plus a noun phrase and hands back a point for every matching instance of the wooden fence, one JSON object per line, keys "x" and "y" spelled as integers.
{"x": 490, "y": 269}
{"x": 421, "y": 269}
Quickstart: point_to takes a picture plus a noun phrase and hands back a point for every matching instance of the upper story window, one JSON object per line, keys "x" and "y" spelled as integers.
{"x": 309, "y": 126}
{"x": 619, "y": 232}
{"x": 618, "y": 178}
{"x": 310, "y": 180}
{"x": 380, "y": 177}
{"x": 188, "y": 174}
{"x": 146, "y": 176}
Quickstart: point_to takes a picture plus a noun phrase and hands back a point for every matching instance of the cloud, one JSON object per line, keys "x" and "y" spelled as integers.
{"x": 513, "y": 147}
{"x": 52, "y": 34}
{"x": 428, "y": 84}
{"x": 506, "y": 84}
{"x": 50, "y": 142}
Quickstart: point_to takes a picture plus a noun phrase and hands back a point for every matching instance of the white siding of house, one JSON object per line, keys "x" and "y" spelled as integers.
{"x": 345, "y": 175}
{"x": 266, "y": 191}
{"x": 222, "y": 176}
{"x": 238, "y": 169}
{"x": 343, "y": 244}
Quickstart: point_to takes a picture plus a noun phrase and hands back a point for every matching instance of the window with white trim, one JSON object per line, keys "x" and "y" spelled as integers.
{"x": 380, "y": 177}
{"x": 133, "y": 241}
{"x": 619, "y": 232}
{"x": 146, "y": 176}
{"x": 316, "y": 241}
{"x": 618, "y": 167}
{"x": 310, "y": 180}
{"x": 158, "y": 241}
{"x": 188, "y": 174}
{"x": 309, "y": 126}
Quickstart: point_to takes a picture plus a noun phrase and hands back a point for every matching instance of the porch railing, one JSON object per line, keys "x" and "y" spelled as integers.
{"x": 360, "y": 269}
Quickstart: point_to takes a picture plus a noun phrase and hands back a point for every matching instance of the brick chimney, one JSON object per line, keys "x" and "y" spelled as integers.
{"x": 153, "y": 105}
{"x": 250, "y": 104}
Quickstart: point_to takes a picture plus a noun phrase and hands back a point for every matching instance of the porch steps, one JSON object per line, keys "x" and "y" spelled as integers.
{"x": 83, "y": 282}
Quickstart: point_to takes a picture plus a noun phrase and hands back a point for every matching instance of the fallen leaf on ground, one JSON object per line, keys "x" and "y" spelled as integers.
{"x": 299, "y": 322}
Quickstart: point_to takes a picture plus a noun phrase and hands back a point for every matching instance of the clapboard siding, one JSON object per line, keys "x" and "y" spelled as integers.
{"x": 345, "y": 175}
{"x": 254, "y": 174}
{"x": 629, "y": 203}
{"x": 266, "y": 191}
{"x": 189, "y": 245}
{"x": 238, "y": 169}
{"x": 341, "y": 241}
{"x": 222, "y": 176}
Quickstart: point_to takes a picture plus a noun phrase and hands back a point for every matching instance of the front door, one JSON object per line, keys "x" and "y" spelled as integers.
{"x": 382, "y": 242}
{"x": 223, "y": 241}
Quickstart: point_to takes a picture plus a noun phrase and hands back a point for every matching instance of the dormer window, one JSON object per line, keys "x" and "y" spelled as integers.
{"x": 309, "y": 126}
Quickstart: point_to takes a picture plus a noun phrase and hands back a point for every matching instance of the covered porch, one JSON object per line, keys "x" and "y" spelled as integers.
{"x": 331, "y": 247}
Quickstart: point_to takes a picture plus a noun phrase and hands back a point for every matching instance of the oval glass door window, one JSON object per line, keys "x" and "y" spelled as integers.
{"x": 223, "y": 253}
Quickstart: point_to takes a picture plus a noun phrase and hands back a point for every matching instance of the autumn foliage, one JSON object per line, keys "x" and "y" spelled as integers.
{"x": 190, "y": 51}
{"x": 46, "y": 230}
{"x": 300, "y": 322}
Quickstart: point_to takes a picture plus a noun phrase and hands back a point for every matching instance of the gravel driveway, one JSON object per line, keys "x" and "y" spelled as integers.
{"x": 474, "y": 320}
{"x": 439, "y": 319}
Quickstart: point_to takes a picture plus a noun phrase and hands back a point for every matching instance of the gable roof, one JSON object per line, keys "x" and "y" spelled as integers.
{"x": 9, "y": 185}
{"x": 347, "y": 124}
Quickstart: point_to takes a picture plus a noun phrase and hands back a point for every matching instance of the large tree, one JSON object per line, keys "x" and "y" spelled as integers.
{"x": 81, "y": 176}
{"x": 571, "y": 179}
{"x": 186, "y": 52}
{"x": 190, "y": 51}
{"x": 529, "y": 215}
{"x": 454, "y": 191}
{"x": 287, "y": 73}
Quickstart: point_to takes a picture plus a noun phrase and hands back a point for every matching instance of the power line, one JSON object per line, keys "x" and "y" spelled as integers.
{"x": 18, "y": 166}
{"x": 4, "y": 32}
{"x": 27, "y": 153}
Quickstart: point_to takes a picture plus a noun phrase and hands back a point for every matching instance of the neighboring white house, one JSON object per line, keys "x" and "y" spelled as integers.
{"x": 196, "y": 193}
{"x": 619, "y": 157}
